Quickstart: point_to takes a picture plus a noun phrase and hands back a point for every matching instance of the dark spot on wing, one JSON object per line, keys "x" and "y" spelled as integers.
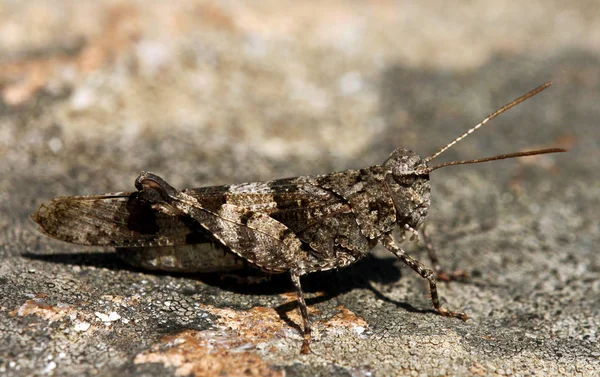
{"x": 142, "y": 217}
{"x": 244, "y": 218}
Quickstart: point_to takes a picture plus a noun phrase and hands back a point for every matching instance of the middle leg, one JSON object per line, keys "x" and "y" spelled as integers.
{"x": 303, "y": 311}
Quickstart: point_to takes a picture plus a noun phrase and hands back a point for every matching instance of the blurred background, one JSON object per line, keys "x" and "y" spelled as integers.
{"x": 205, "y": 92}
{"x": 214, "y": 92}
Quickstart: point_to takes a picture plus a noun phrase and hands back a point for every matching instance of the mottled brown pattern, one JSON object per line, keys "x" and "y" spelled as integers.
{"x": 300, "y": 225}
{"x": 368, "y": 197}
{"x": 296, "y": 225}
{"x": 120, "y": 220}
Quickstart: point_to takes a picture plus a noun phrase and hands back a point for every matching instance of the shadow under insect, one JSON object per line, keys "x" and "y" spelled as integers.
{"x": 252, "y": 281}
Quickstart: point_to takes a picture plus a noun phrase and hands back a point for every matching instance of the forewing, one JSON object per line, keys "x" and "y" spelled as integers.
{"x": 310, "y": 208}
{"x": 119, "y": 219}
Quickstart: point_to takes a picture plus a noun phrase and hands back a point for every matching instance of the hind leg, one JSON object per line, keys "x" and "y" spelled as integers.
{"x": 303, "y": 311}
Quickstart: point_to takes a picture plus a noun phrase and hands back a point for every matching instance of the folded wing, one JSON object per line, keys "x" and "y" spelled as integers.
{"x": 119, "y": 220}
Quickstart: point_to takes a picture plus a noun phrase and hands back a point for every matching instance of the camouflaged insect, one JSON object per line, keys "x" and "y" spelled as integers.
{"x": 296, "y": 225}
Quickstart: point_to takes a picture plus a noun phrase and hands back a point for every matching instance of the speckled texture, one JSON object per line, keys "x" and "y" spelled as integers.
{"x": 210, "y": 93}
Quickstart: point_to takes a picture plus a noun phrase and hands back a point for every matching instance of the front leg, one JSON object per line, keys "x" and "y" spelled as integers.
{"x": 426, "y": 273}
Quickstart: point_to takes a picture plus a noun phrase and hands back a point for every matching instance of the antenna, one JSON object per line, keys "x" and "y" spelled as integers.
{"x": 490, "y": 117}
{"x": 499, "y": 157}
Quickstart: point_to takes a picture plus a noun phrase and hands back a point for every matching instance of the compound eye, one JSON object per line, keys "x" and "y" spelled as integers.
{"x": 406, "y": 180}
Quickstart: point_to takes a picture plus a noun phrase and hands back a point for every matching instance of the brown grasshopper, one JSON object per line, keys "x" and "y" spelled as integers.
{"x": 295, "y": 225}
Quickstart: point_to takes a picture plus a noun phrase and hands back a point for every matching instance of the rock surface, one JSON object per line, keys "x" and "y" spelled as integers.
{"x": 207, "y": 93}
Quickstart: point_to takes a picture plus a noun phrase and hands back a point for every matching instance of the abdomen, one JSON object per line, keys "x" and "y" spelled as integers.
{"x": 202, "y": 257}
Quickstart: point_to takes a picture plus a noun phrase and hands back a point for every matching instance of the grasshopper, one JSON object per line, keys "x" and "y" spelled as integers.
{"x": 295, "y": 225}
